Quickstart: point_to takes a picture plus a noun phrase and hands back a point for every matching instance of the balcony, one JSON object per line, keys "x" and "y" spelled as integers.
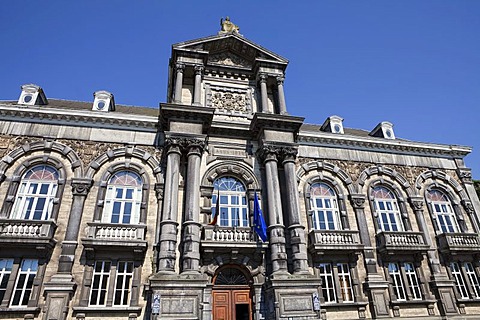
{"x": 395, "y": 242}
{"x": 27, "y": 233}
{"x": 457, "y": 243}
{"x": 115, "y": 236}
{"x": 230, "y": 239}
{"x": 331, "y": 241}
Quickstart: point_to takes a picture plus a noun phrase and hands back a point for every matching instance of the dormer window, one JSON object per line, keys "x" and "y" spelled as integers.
{"x": 103, "y": 101}
{"x": 333, "y": 124}
{"x": 383, "y": 130}
{"x": 32, "y": 95}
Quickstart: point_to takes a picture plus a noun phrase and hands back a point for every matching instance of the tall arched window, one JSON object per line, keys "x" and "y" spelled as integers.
{"x": 386, "y": 208}
{"x": 34, "y": 200}
{"x": 442, "y": 209}
{"x": 324, "y": 206}
{"x": 232, "y": 202}
{"x": 123, "y": 198}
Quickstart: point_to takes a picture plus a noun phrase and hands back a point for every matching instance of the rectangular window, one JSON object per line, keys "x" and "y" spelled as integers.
{"x": 466, "y": 279}
{"x": 336, "y": 282}
{"x": 404, "y": 280}
{"x": 397, "y": 282}
{"x": 5, "y": 272}
{"x": 101, "y": 275}
{"x": 123, "y": 283}
{"x": 24, "y": 283}
{"x": 328, "y": 287}
{"x": 345, "y": 282}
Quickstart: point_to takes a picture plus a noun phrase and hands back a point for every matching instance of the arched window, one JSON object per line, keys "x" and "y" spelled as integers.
{"x": 34, "y": 200}
{"x": 442, "y": 209}
{"x": 324, "y": 206}
{"x": 232, "y": 202}
{"x": 123, "y": 198}
{"x": 386, "y": 209}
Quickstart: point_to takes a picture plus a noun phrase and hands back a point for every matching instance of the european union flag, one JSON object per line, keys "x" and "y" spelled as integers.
{"x": 259, "y": 224}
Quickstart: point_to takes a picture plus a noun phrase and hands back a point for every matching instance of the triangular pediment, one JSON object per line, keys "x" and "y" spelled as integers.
{"x": 230, "y": 49}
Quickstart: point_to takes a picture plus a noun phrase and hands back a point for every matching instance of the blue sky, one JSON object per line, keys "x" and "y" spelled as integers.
{"x": 413, "y": 63}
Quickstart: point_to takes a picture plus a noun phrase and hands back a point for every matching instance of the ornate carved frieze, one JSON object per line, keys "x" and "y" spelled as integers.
{"x": 353, "y": 169}
{"x": 229, "y": 100}
{"x": 10, "y": 143}
{"x": 228, "y": 59}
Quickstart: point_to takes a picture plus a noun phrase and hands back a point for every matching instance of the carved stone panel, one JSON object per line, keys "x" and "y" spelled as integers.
{"x": 229, "y": 100}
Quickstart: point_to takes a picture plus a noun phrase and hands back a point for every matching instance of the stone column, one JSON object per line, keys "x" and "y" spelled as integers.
{"x": 198, "y": 86}
{"x": 60, "y": 288}
{"x": 375, "y": 284}
{"x": 276, "y": 228}
{"x": 191, "y": 226}
{"x": 282, "y": 105}
{"x": 179, "y": 68}
{"x": 263, "y": 92}
{"x": 296, "y": 230}
{"x": 471, "y": 213}
{"x": 169, "y": 224}
{"x": 80, "y": 188}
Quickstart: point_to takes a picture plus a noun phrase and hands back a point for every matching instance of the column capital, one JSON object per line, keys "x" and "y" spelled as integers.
{"x": 417, "y": 203}
{"x": 179, "y": 67}
{"x": 80, "y": 187}
{"x": 358, "y": 201}
{"x": 198, "y": 69}
{"x": 289, "y": 154}
{"x": 268, "y": 153}
{"x": 280, "y": 80}
{"x": 262, "y": 77}
{"x": 194, "y": 146}
{"x": 173, "y": 145}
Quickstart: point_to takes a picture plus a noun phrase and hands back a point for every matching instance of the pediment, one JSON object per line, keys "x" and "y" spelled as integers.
{"x": 230, "y": 49}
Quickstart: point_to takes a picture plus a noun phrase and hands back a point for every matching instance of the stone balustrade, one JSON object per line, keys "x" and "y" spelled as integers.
{"x": 16, "y": 228}
{"x": 221, "y": 239}
{"x": 346, "y": 241}
{"x": 392, "y": 242}
{"x": 458, "y": 242}
{"x": 113, "y": 231}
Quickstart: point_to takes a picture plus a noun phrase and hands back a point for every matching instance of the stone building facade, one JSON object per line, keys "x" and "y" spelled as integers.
{"x": 120, "y": 212}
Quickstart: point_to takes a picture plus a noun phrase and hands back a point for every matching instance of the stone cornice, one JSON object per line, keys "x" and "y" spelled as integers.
{"x": 279, "y": 122}
{"x": 381, "y": 145}
{"x": 185, "y": 113}
{"x": 80, "y": 118}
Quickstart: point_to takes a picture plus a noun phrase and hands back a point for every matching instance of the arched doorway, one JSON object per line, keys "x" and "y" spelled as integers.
{"x": 232, "y": 294}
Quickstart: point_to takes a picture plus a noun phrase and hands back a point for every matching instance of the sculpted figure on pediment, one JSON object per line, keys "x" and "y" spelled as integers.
{"x": 228, "y": 26}
{"x": 226, "y": 59}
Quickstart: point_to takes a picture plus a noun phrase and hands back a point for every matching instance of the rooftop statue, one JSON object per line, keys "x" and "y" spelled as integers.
{"x": 228, "y": 26}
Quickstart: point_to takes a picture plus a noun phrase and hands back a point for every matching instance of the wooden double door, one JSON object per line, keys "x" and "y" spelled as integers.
{"x": 232, "y": 303}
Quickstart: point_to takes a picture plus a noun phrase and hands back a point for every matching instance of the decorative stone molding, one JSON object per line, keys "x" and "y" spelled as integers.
{"x": 468, "y": 206}
{"x": 358, "y": 201}
{"x": 231, "y": 168}
{"x": 179, "y": 67}
{"x": 393, "y": 175}
{"x": 417, "y": 203}
{"x": 198, "y": 69}
{"x": 127, "y": 152}
{"x": 328, "y": 166}
{"x": 465, "y": 175}
{"x": 159, "y": 190}
{"x": 443, "y": 178}
{"x": 80, "y": 187}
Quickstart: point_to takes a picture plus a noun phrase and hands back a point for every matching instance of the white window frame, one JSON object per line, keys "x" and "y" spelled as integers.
{"x": 34, "y": 190}
{"x": 116, "y": 197}
{"x": 24, "y": 289}
{"x": 337, "y": 284}
{"x": 443, "y": 211}
{"x": 460, "y": 281}
{"x": 387, "y": 212}
{"x": 412, "y": 280}
{"x": 233, "y": 204}
{"x": 6, "y": 267}
{"x": 473, "y": 278}
{"x": 125, "y": 284}
{"x": 397, "y": 281}
{"x": 345, "y": 282}
{"x": 324, "y": 207}
{"x": 104, "y": 277}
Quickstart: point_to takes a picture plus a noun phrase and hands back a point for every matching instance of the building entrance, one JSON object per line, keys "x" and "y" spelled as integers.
{"x": 232, "y": 295}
